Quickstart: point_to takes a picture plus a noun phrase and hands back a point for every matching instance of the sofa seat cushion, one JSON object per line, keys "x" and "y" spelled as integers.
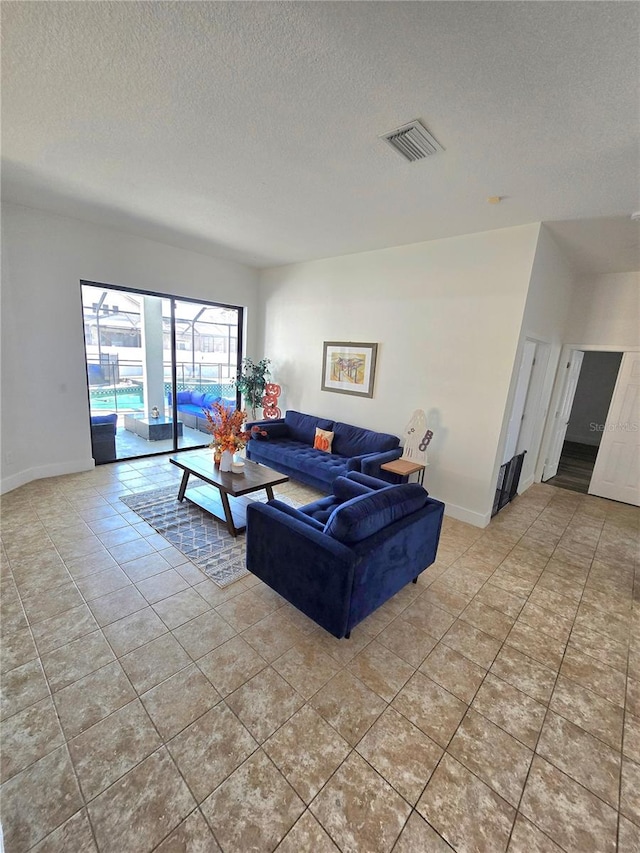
{"x": 343, "y": 490}
{"x": 351, "y": 440}
{"x": 302, "y": 457}
{"x": 294, "y": 512}
{"x": 321, "y": 509}
{"x": 190, "y": 409}
{"x": 361, "y": 517}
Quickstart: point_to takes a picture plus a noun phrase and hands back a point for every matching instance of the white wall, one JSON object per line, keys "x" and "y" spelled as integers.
{"x": 605, "y": 311}
{"x": 544, "y": 320}
{"x": 446, "y": 316}
{"x": 45, "y": 413}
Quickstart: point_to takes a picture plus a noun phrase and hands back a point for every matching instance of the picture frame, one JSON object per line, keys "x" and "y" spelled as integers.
{"x": 349, "y": 368}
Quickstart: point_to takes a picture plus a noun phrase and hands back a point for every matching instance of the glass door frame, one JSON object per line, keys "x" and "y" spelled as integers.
{"x": 172, "y": 298}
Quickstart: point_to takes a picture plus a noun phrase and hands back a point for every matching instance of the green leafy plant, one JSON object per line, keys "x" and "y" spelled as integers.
{"x": 251, "y": 380}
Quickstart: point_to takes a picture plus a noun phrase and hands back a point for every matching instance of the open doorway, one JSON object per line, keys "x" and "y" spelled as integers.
{"x": 585, "y": 417}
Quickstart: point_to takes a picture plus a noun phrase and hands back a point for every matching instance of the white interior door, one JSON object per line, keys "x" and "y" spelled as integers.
{"x": 519, "y": 400}
{"x": 616, "y": 474}
{"x": 563, "y": 412}
{"x": 535, "y": 412}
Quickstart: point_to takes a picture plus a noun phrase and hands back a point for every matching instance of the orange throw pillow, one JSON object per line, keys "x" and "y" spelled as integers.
{"x": 323, "y": 440}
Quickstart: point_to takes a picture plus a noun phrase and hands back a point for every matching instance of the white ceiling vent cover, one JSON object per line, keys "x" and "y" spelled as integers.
{"x": 413, "y": 141}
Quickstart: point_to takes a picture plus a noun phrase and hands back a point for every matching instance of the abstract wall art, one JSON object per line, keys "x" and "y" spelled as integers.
{"x": 349, "y": 368}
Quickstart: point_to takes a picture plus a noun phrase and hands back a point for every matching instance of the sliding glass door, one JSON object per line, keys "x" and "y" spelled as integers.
{"x": 206, "y": 361}
{"x": 153, "y": 363}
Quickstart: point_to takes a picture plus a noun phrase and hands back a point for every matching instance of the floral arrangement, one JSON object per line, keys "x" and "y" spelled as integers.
{"x": 226, "y": 428}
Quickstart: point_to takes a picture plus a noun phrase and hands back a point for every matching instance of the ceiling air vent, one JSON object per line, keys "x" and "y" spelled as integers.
{"x": 413, "y": 141}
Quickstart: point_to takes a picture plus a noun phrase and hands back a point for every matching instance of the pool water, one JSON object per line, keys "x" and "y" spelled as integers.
{"x": 131, "y": 399}
{"x": 107, "y": 402}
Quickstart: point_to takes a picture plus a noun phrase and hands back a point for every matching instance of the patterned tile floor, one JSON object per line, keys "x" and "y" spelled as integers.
{"x": 493, "y": 706}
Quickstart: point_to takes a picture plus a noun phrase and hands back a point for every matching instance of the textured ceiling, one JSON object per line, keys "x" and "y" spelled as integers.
{"x": 251, "y": 130}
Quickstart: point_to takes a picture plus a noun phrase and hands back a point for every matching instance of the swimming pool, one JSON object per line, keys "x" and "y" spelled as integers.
{"x": 116, "y": 399}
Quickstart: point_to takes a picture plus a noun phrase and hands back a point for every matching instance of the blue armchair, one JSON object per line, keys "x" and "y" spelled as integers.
{"x": 341, "y": 557}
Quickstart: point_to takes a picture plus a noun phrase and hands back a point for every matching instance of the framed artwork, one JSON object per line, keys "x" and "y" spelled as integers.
{"x": 349, "y": 368}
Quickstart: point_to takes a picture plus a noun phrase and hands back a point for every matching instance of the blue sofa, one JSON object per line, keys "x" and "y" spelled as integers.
{"x": 288, "y": 447}
{"x": 191, "y": 405}
{"x": 340, "y": 558}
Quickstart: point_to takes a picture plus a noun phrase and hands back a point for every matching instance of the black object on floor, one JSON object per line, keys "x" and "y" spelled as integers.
{"x": 508, "y": 479}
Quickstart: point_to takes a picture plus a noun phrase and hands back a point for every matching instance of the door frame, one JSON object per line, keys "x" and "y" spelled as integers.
{"x": 172, "y": 298}
{"x": 558, "y": 388}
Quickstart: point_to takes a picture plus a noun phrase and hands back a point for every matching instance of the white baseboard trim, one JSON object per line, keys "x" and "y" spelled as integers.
{"x": 460, "y": 513}
{"x": 14, "y": 481}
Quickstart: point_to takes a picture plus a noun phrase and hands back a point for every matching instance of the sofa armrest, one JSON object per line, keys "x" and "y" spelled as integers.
{"x": 262, "y": 424}
{"x": 310, "y": 569}
{"x": 370, "y": 463}
{"x": 274, "y": 429}
{"x": 366, "y": 480}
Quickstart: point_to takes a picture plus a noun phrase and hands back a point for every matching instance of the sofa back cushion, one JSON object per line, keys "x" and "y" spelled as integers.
{"x": 182, "y": 397}
{"x": 361, "y": 517}
{"x": 351, "y": 440}
{"x": 303, "y": 427}
{"x": 103, "y": 420}
{"x": 209, "y": 399}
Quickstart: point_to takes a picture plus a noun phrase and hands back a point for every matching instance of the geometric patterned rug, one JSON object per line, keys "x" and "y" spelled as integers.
{"x": 198, "y": 535}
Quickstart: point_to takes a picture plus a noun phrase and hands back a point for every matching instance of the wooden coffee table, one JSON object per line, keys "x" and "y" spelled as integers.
{"x": 216, "y": 501}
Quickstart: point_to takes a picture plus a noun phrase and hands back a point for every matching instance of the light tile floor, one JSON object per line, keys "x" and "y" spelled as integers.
{"x": 493, "y": 706}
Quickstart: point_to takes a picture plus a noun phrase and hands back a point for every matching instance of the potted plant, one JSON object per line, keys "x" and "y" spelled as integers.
{"x": 251, "y": 381}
